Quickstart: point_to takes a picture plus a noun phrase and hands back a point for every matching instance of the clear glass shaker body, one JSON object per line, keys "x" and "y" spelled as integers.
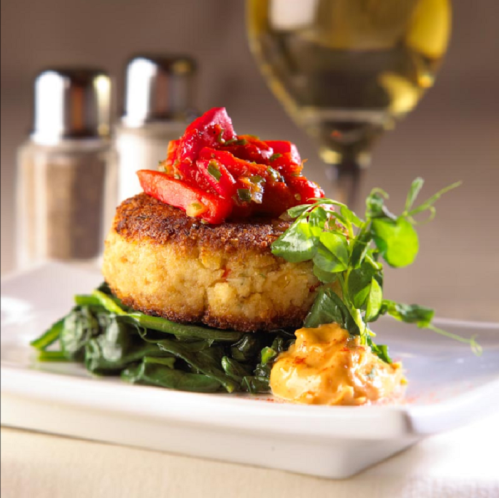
{"x": 66, "y": 196}
{"x": 142, "y": 148}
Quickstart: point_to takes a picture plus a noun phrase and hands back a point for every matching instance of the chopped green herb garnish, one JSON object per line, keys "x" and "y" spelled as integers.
{"x": 256, "y": 179}
{"x": 220, "y": 139}
{"x": 244, "y": 194}
{"x": 275, "y": 156}
{"x": 236, "y": 141}
{"x": 274, "y": 174}
{"x": 214, "y": 171}
{"x": 346, "y": 249}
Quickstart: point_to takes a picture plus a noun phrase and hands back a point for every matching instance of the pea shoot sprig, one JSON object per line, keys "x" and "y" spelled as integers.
{"x": 346, "y": 252}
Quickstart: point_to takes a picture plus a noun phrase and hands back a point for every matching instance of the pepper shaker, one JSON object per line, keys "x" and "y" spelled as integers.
{"x": 157, "y": 107}
{"x": 66, "y": 185}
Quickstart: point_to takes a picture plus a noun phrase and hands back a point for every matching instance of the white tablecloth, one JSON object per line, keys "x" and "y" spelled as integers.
{"x": 459, "y": 464}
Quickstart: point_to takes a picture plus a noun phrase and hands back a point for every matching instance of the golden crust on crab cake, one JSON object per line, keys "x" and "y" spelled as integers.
{"x": 162, "y": 262}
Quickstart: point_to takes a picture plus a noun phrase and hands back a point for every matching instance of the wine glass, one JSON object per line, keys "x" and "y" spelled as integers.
{"x": 345, "y": 70}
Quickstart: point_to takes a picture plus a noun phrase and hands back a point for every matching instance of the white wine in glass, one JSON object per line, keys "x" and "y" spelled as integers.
{"x": 345, "y": 70}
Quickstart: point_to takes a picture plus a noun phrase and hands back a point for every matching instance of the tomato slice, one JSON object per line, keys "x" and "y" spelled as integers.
{"x": 209, "y": 207}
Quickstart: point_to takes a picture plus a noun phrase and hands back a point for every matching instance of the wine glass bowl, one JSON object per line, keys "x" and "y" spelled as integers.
{"x": 346, "y": 70}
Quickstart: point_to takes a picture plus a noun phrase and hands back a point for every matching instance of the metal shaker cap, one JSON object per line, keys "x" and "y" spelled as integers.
{"x": 71, "y": 103}
{"x": 158, "y": 88}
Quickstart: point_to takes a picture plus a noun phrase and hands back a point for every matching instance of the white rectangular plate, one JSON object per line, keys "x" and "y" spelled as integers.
{"x": 449, "y": 387}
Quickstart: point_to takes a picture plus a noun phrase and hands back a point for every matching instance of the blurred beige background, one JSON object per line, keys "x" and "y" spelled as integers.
{"x": 453, "y": 134}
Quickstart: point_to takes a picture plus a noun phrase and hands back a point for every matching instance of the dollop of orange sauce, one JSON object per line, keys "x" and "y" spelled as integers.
{"x": 327, "y": 366}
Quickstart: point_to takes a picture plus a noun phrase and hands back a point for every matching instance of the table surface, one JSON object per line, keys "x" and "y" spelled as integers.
{"x": 462, "y": 463}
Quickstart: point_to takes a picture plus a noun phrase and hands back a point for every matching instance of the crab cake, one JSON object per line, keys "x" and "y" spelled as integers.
{"x": 162, "y": 262}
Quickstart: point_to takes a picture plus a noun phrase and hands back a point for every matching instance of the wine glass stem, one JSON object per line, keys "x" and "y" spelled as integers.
{"x": 346, "y": 180}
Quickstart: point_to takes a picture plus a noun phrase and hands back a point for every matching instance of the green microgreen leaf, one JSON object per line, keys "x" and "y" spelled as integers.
{"x": 326, "y": 260}
{"x": 360, "y": 247}
{"x": 396, "y": 240}
{"x": 409, "y": 313}
{"x": 380, "y": 350}
{"x": 328, "y": 307}
{"x": 317, "y": 221}
{"x": 359, "y": 282}
{"x": 350, "y": 216}
{"x": 414, "y": 190}
{"x": 428, "y": 204}
{"x": 297, "y": 243}
{"x": 340, "y": 245}
{"x": 337, "y": 245}
{"x": 374, "y": 301}
{"x": 275, "y": 156}
{"x": 475, "y": 347}
{"x": 296, "y": 211}
{"x": 326, "y": 277}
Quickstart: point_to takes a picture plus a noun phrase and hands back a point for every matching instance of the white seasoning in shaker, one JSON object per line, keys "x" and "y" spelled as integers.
{"x": 157, "y": 108}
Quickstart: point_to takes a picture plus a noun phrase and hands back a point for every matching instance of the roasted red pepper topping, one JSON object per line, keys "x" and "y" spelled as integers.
{"x": 213, "y": 174}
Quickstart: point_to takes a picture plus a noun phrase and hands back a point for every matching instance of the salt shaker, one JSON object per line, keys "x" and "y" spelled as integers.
{"x": 157, "y": 107}
{"x": 66, "y": 185}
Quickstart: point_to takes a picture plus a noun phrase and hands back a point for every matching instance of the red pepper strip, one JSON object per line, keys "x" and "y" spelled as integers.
{"x": 179, "y": 194}
{"x": 211, "y": 129}
{"x": 217, "y": 175}
{"x": 216, "y": 116}
{"x": 251, "y": 149}
{"x": 284, "y": 147}
{"x": 171, "y": 154}
{"x": 304, "y": 189}
{"x": 277, "y": 198}
{"x": 237, "y": 167}
{"x": 285, "y": 165}
{"x": 172, "y": 149}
